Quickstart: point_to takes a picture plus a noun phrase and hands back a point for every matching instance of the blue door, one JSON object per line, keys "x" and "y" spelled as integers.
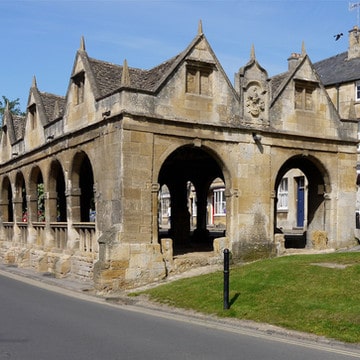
{"x": 300, "y": 201}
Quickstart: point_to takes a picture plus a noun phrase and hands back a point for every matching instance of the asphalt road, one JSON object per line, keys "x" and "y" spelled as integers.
{"x": 36, "y": 323}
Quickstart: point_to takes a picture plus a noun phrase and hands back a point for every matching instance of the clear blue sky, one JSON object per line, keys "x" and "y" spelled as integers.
{"x": 41, "y": 37}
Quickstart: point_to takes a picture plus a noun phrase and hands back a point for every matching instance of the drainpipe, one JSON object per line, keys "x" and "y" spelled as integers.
{"x": 337, "y": 97}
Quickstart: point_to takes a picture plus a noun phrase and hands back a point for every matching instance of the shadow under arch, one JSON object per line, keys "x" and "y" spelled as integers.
{"x": 36, "y": 205}
{"x": 190, "y": 168}
{"x": 82, "y": 188}
{"x": 7, "y": 213}
{"x": 56, "y": 189}
{"x": 318, "y": 185}
{"x": 21, "y": 201}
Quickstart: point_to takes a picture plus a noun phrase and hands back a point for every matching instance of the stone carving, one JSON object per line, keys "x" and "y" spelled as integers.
{"x": 255, "y": 103}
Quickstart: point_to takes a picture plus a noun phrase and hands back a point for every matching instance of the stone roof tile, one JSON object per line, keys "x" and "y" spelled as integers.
{"x": 49, "y": 101}
{"x": 108, "y": 76}
{"x": 338, "y": 69}
{"x": 19, "y": 126}
{"x": 277, "y": 80}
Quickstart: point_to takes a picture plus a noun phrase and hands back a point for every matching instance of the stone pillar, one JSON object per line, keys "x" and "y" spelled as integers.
{"x": 73, "y": 216}
{"x": 18, "y": 210}
{"x": 201, "y": 233}
{"x": 180, "y": 216}
{"x": 32, "y": 209}
{"x": 73, "y": 205}
{"x": 18, "y": 217}
{"x": 32, "y": 199}
{"x": 51, "y": 206}
{"x": 155, "y": 188}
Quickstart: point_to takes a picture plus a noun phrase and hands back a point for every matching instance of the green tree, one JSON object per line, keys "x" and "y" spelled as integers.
{"x": 14, "y": 106}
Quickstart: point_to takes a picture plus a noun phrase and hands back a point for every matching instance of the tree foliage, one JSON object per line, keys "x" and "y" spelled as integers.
{"x": 14, "y": 106}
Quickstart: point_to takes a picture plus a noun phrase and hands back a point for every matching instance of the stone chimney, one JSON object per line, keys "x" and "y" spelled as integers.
{"x": 354, "y": 43}
{"x": 293, "y": 61}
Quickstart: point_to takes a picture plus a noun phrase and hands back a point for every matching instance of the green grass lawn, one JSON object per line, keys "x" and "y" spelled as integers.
{"x": 289, "y": 291}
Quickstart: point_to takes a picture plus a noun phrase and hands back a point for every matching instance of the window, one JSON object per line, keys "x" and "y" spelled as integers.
{"x": 33, "y": 115}
{"x": 219, "y": 202}
{"x": 79, "y": 83}
{"x": 198, "y": 79}
{"x": 304, "y": 95}
{"x": 357, "y": 91}
{"x": 283, "y": 195}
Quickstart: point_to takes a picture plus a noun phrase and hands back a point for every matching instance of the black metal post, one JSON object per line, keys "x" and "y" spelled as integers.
{"x": 226, "y": 279}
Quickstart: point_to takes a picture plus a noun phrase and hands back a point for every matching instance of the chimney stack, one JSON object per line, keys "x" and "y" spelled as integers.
{"x": 354, "y": 43}
{"x": 293, "y": 61}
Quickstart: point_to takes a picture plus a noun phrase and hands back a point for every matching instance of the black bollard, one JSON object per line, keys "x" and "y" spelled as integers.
{"x": 226, "y": 279}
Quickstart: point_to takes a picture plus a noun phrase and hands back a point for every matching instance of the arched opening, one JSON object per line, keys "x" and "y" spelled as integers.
{"x": 21, "y": 202}
{"x": 188, "y": 174}
{"x": 57, "y": 196}
{"x": 7, "y": 201}
{"x": 300, "y": 204}
{"x": 83, "y": 183}
{"x": 37, "y": 196}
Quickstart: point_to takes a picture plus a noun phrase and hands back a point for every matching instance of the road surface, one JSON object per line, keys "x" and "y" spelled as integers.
{"x": 40, "y": 324}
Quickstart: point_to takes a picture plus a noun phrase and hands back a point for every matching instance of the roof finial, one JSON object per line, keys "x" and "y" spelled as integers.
{"x": 34, "y": 84}
{"x": 200, "y": 28}
{"x": 82, "y": 44}
{"x": 303, "y": 50}
{"x": 252, "y": 52}
{"x": 125, "y": 76}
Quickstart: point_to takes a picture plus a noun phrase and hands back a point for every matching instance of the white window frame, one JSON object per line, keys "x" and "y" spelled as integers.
{"x": 283, "y": 195}
{"x": 219, "y": 202}
{"x": 357, "y": 91}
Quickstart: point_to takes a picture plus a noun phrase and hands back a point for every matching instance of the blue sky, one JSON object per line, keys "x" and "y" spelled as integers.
{"x": 41, "y": 37}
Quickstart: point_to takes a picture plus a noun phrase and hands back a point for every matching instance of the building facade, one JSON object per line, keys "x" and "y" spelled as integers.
{"x": 81, "y": 175}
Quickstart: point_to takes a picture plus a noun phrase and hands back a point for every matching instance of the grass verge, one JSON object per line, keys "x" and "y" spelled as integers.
{"x": 318, "y": 294}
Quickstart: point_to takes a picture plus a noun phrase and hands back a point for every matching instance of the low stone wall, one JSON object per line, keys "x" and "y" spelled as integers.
{"x": 56, "y": 262}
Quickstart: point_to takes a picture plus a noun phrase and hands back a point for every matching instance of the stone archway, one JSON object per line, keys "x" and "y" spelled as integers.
{"x": 189, "y": 169}
{"x": 56, "y": 191}
{"x": 7, "y": 212}
{"x": 82, "y": 198}
{"x": 316, "y": 186}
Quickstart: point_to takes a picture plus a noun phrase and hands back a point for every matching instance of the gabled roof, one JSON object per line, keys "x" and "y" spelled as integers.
{"x": 338, "y": 69}
{"x": 108, "y": 76}
{"x": 277, "y": 80}
{"x": 49, "y": 105}
{"x": 13, "y": 125}
{"x": 53, "y": 105}
{"x": 19, "y": 126}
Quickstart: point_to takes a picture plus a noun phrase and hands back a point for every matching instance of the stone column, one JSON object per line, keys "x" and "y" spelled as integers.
{"x": 201, "y": 233}
{"x": 180, "y": 216}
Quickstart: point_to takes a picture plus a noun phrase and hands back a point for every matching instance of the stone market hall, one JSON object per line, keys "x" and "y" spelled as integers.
{"x": 81, "y": 176}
